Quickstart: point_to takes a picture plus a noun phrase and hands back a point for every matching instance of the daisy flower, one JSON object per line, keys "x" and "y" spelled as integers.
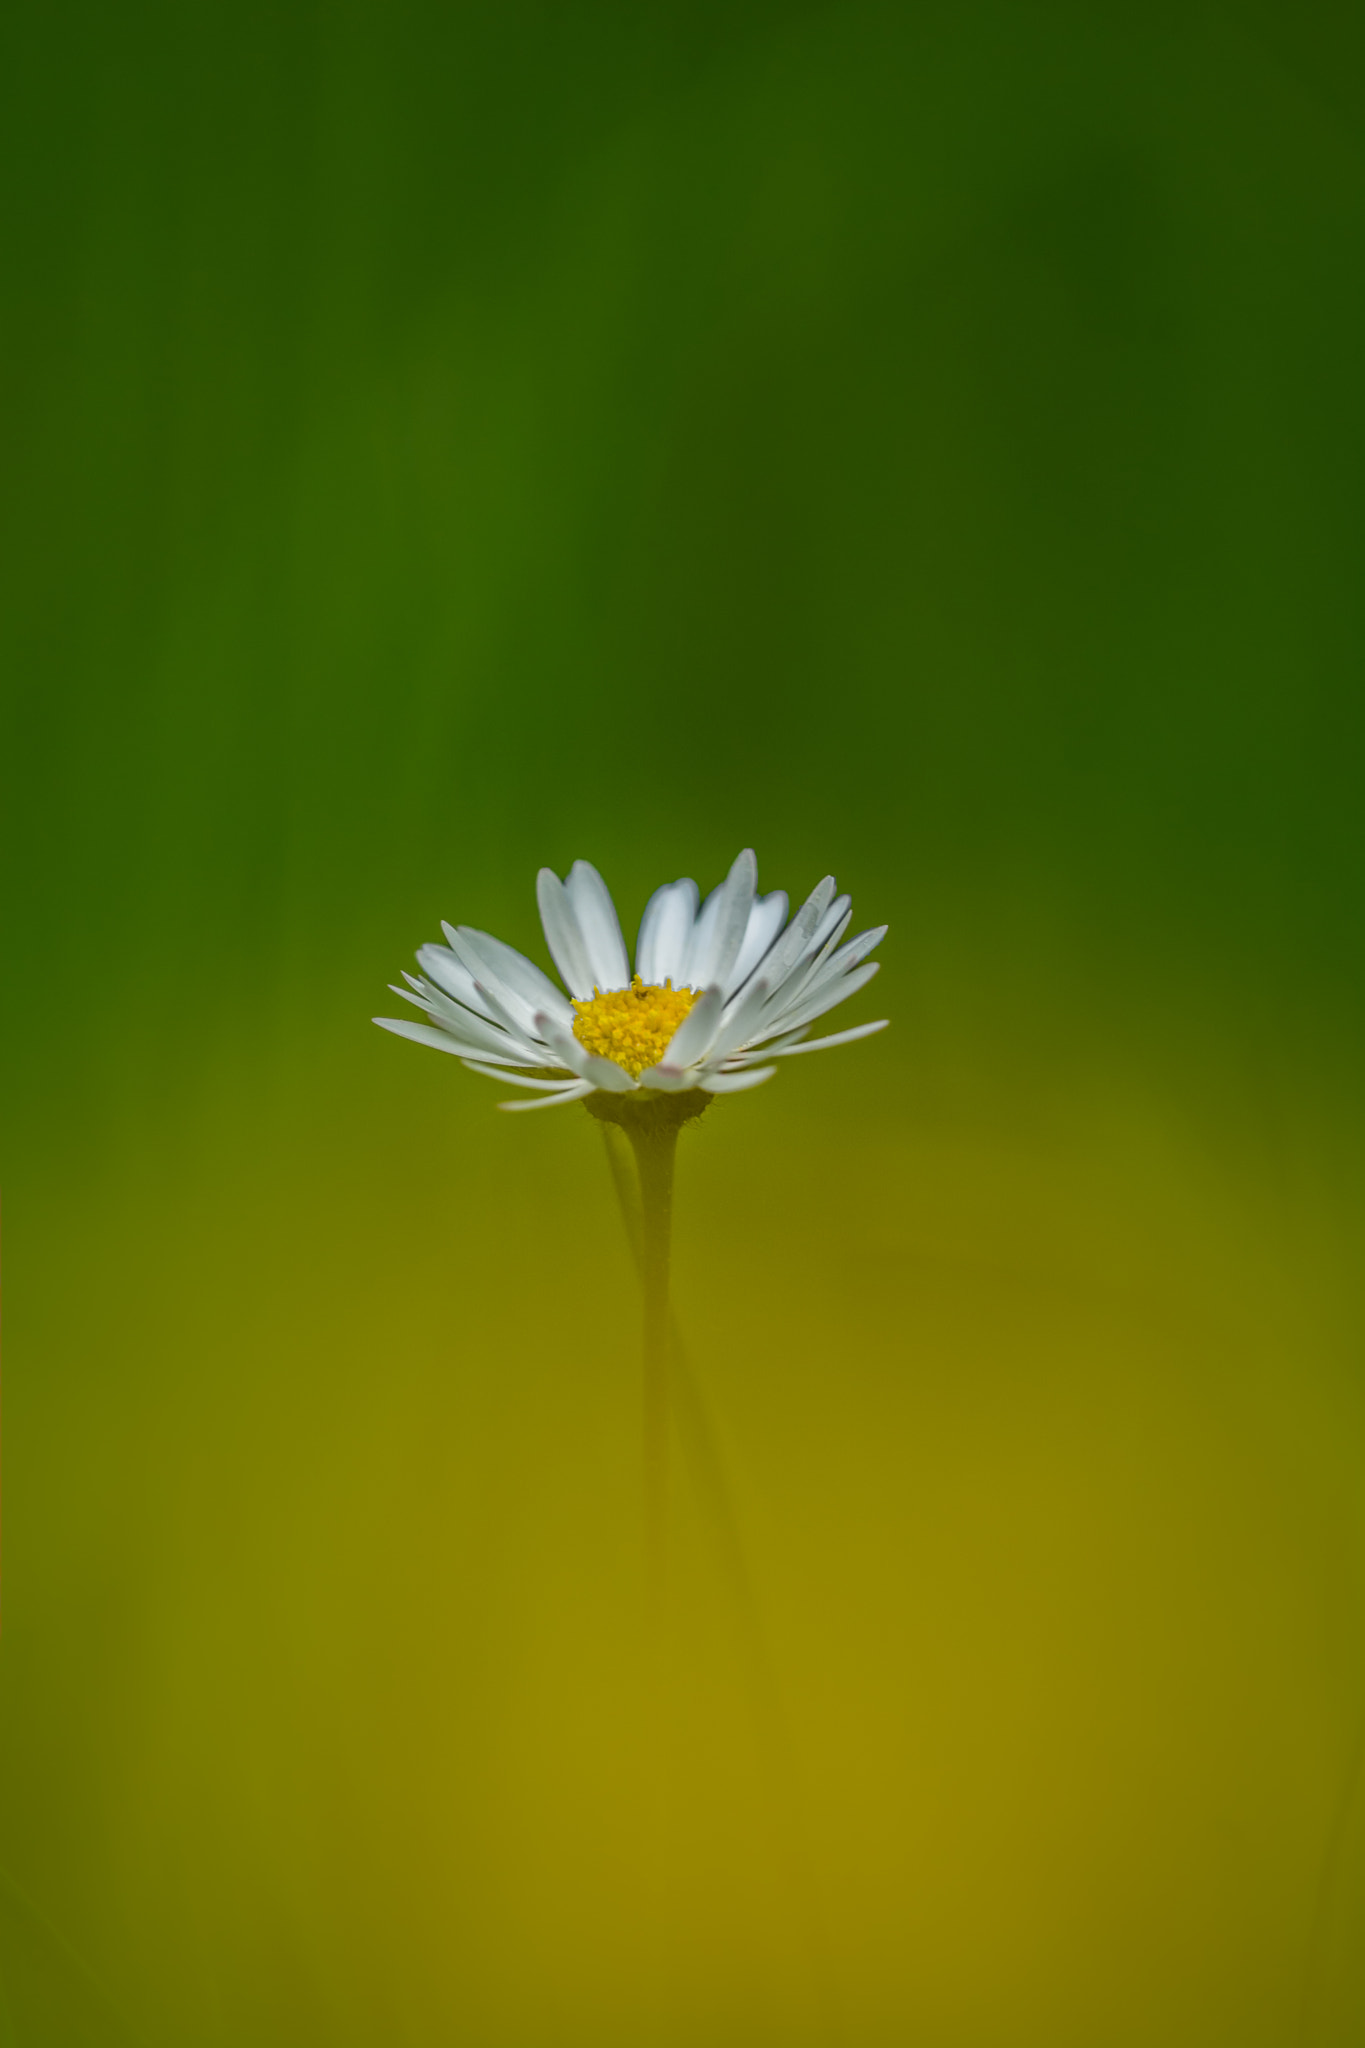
{"x": 721, "y": 991}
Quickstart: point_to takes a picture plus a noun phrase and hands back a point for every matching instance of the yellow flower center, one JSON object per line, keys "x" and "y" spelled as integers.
{"x": 632, "y": 1025}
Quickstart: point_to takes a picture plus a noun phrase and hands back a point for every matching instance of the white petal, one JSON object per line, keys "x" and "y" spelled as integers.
{"x": 573, "y": 1093}
{"x": 831, "y": 930}
{"x": 816, "y": 952}
{"x": 666, "y": 933}
{"x": 422, "y": 1034}
{"x": 492, "y": 1059}
{"x": 605, "y": 1074}
{"x": 765, "y": 922}
{"x": 828, "y": 997}
{"x": 668, "y": 1080}
{"x": 600, "y": 926}
{"x": 448, "y": 973}
{"x": 470, "y": 1033}
{"x": 819, "y": 1044}
{"x": 692, "y": 1039}
{"x": 840, "y": 910}
{"x": 788, "y": 950}
{"x": 500, "y": 1001}
{"x": 762, "y": 1049}
{"x": 562, "y": 1043}
{"x": 591, "y": 1066}
{"x": 536, "y": 1081}
{"x": 815, "y": 959}
{"x": 512, "y": 969}
{"x": 565, "y": 940}
{"x": 741, "y": 1016}
{"x": 509, "y": 1011}
{"x": 699, "y": 946}
{"x": 723, "y": 924}
{"x": 800, "y": 988}
{"x": 849, "y": 956}
{"x": 731, "y": 1084}
{"x": 479, "y": 1030}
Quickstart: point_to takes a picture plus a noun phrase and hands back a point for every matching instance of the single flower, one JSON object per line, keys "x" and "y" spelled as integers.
{"x": 721, "y": 991}
{"x": 719, "y": 988}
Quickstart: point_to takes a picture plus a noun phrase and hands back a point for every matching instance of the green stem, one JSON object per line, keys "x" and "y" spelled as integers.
{"x": 655, "y": 1149}
{"x": 680, "y": 1394}
{"x": 701, "y": 1450}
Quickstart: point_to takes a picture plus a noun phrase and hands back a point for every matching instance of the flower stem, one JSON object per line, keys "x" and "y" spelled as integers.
{"x": 655, "y": 1148}
{"x": 651, "y": 1122}
{"x": 699, "y": 1444}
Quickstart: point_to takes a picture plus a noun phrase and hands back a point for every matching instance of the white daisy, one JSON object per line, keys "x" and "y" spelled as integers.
{"x": 719, "y": 988}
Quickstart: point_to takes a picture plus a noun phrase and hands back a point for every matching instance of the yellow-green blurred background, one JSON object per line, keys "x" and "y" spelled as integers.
{"x": 920, "y": 441}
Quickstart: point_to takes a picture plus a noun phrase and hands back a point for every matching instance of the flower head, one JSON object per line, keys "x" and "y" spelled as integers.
{"x": 719, "y": 988}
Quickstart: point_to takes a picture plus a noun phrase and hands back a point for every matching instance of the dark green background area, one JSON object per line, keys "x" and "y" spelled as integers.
{"x": 443, "y": 436}
{"x": 923, "y": 441}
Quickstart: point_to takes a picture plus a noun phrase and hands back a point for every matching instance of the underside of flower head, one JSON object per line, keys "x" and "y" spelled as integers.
{"x": 720, "y": 990}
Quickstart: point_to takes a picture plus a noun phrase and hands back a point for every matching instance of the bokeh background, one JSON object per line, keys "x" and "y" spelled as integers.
{"x": 921, "y": 441}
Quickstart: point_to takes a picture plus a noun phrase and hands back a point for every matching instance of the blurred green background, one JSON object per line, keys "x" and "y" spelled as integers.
{"x": 924, "y": 442}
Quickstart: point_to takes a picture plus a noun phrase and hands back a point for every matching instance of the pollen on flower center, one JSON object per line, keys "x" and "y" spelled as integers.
{"x": 632, "y": 1025}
